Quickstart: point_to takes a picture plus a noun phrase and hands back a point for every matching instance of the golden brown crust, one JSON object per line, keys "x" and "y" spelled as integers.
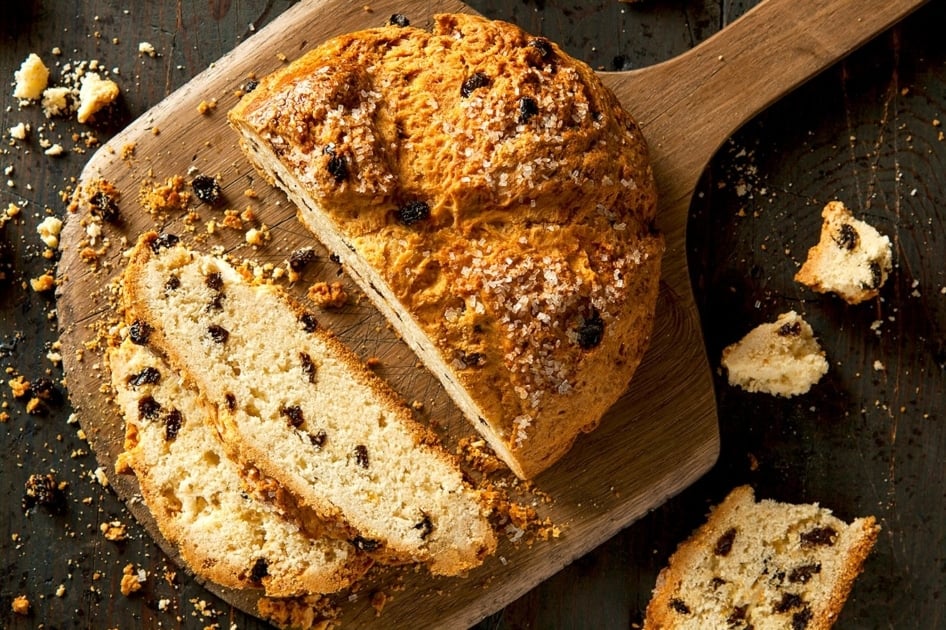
{"x": 536, "y": 237}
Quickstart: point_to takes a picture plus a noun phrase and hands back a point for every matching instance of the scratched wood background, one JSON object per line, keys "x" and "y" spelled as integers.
{"x": 869, "y": 438}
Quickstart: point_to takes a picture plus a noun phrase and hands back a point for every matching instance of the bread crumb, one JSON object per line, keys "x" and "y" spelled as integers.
{"x": 54, "y": 150}
{"x": 145, "y": 48}
{"x": 21, "y": 605}
{"x": 19, "y": 131}
{"x": 257, "y": 236}
{"x": 114, "y": 531}
{"x": 326, "y": 295}
{"x": 49, "y": 230}
{"x": 31, "y": 79}
{"x": 170, "y": 195}
{"x": 95, "y": 93}
{"x": 45, "y": 282}
{"x": 19, "y": 386}
{"x": 879, "y": 366}
{"x": 132, "y": 580}
{"x": 207, "y": 107}
{"x": 781, "y": 358}
{"x": 56, "y": 101}
{"x": 378, "y": 600}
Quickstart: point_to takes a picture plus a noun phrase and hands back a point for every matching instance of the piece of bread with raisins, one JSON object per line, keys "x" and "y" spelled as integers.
{"x": 298, "y": 406}
{"x": 763, "y": 565}
{"x": 781, "y": 358}
{"x": 224, "y": 528}
{"x": 495, "y": 202}
{"x": 852, "y": 259}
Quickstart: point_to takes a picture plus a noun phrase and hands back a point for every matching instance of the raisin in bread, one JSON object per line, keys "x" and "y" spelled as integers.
{"x": 852, "y": 259}
{"x": 225, "y": 532}
{"x": 297, "y": 405}
{"x": 761, "y": 565}
{"x": 781, "y": 358}
{"x": 492, "y": 198}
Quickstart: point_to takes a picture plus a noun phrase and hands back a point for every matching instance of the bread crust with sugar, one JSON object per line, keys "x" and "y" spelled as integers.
{"x": 492, "y": 198}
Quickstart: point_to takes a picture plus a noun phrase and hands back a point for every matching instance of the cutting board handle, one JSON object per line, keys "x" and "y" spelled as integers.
{"x": 688, "y": 106}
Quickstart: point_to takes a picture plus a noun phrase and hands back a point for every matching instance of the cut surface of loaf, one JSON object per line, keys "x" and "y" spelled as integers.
{"x": 763, "y": 565}
{"x": 224, "y": 531}
{"x": 781, "y": 358}
{"x": 492, "y": 198}
{"x": 852, "y": 259}
{"x": 297, "y": 405}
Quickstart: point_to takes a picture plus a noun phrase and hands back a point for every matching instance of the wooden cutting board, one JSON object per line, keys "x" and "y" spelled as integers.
{"x": 657, "y": 439}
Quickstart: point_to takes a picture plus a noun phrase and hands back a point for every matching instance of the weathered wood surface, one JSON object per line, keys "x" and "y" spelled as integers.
{"x": 865, "y": 441}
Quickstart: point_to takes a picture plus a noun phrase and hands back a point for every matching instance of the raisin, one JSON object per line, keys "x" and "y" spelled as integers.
{"x": 399, "y": 19}
{"x": 471, "y": 359}
{"x": 173, "y": 284}
{"x": 541, "y": 45}
{"x": 365, "y": 544}
{"x": 819, "y": 536}
{"x": 876, "y": 276}
{"x": 309, "y": 322}
{"x": 218, "y": 333}
{"x": 803, "y": 573}
{"x": 789, "y": 601}
{"x": 250, "y": 85}
{"x": 411, "y": 213}
{"x": 474, "y": 82}
{"x": 259, "y": 571}
{"x": 591, "y": 331}
{"x": 104, "y": 207}
{"x": 847, "y": 237}
{"x": 335, "y": 259}
{"x": 425, "y": 526}
{"x": 738, "y": 614}
{"x": 716, "y": 582}
{"x": 147, "y": 376}
{"x": 207, "y": 188}
{"x": 44, "y": 490}
{"x": 308, "y": 367}
{"x": 527, "y": 108}
{"x": 148, "y": 407}
{"x": 318, "y": 438}
{"x": 679, "y": 606}
{"x": 293, "y": 413}
{"x": 801, "y": 618}
{"x": 172, "y": 424}
{"x": 214, "y": 281}
{"x": 338, "y": 168}
{"x": 789, "y": 329}
{"x": 45, "y": 389}
{"x": 724, "y": 543}
{"x": 216, "y": 303}
{"x": 301, "y": 257}
{"x": 164, "y": 241}
{"x": 139, "y": 332}
{"x": 361, "y": 455}
{"x": 230, "y": 400}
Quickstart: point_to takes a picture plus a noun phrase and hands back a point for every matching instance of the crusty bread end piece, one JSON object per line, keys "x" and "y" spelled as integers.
{"x": 298, "y": 406}
{"x": 763, "y": 565}
{"x": 224, "y": 531}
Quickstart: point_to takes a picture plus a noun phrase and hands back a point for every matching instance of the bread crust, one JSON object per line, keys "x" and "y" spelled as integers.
{"x": 528, "y": 285}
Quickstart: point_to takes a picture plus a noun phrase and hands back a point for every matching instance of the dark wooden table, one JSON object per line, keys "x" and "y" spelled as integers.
{"x": 869, "y": 439}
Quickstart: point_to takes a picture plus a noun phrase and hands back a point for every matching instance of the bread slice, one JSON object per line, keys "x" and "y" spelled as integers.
{"x": 781, "y": 358}
{"x": 225, "y": 532}
{"x": 297, "y": 405}
{"x": 761, "y": 565}
{"x": 852, "y": 259}
{"x": 492, "y": 198}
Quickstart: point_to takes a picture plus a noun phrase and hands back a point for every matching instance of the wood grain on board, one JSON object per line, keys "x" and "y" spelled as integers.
{"x": 656, "y": 440}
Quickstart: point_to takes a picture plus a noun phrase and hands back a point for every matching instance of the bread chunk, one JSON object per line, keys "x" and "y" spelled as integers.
{"x": 762, "y": 565}
{"x": 492, "y": 198}
{"x": 224, "y": 529}
{"x": 298, "y": 406}
{"x": 781, "y": 358}
{"x": 852, "y": 259}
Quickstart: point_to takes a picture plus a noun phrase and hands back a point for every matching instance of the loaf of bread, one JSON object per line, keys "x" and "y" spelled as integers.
{"x": 781, "y": 358}
{"x": 852, "y": 259}
{"x": 294, "y": 403}
{"x": 492, "y": 198}
{"x": 763, "y": 565}
{"x": 225, "y": 532}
